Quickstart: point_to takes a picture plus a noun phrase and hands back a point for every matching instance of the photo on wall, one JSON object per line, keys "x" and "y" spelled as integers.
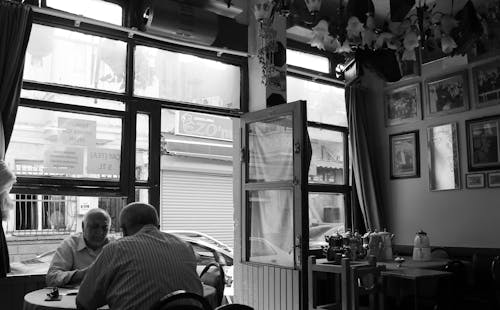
{"x": 483, "y": 143}
{"x": 443, "y": 157}
{"x": 402, "y": 105}
{"x": 494, "y": 179}
{"x": 447, "y": 94}
{"x": 404, "y": 155}
{"x": 474, "y": 180}
{"x": 486, "y": 80}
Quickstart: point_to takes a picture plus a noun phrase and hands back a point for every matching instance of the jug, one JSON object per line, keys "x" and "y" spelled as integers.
{"x": 421, "y": 247}
{"x": 375, "y": 245}
{"x": 386, "y": 245}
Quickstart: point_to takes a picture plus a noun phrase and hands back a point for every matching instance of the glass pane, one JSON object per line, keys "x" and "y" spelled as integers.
{"x": 326, "y": 217}
{"x": 74, "y": 100}
{"x": 66, "y": 57}
{"x": 307, "y": 61}
{"x": 325, "y": 103}
{"x": 61, "y": 144}
{"x": 142, "y": 195}
{"x": 142, "y": 148}
{"x": 38, "y": 223}
{"x": 96, "y": 9}
{"x": 271, "y": 227}
{"x": 327, "y": 161}
{"x": 270, "y": 148}
{"x": 186, "y": 78}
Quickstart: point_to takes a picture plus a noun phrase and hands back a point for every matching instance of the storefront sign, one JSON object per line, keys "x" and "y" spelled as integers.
{"x": 204, "y": 126}
{"x": 63, "y": 160}
{"x": 103, "y": 161}
{"x": 77, "y": 131}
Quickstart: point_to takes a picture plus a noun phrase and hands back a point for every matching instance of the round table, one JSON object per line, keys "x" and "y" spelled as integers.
{"x": 36, "y": 300}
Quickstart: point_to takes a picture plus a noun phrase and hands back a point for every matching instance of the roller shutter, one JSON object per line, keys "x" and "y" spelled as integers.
{"x": 198, "y": 201}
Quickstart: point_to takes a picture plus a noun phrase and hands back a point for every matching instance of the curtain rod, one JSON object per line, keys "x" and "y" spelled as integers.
{"x": 131, "y": 32}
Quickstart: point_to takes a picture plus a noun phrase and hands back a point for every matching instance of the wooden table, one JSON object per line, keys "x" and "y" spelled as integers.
{"x": 436, "y": 264}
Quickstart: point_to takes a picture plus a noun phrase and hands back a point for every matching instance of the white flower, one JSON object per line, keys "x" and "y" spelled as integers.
{"x": 331, "y": 44}
{"x": 354, "y": 27}
{"x": 447, "y": 44}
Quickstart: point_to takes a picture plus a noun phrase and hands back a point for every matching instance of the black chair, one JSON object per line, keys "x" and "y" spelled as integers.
{"x": 439, "y": 253}
{"x": 213, "y": 275}
{"x": 182, "y": 300}
{"x": 495, "y": 274}
{"x": 234, "y": 307}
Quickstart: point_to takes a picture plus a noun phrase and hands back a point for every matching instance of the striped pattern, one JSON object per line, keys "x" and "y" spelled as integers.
{"x": 135, "y": 272}
{"x": 268, "y": 287}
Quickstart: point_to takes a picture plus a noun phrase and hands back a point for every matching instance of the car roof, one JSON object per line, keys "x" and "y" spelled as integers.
{"x": 200, "y": 239}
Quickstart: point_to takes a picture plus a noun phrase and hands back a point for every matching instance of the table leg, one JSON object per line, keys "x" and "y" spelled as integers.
{"x": 415, "y": 290}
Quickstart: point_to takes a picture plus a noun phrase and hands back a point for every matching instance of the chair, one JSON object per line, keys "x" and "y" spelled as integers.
{"x": 213, "y": 275}
{"x": 495, "y": 274}
{"x": 439, "y": 253}
{"x": 365, "y": 280}
{"x": 234, "y": 307}
{"x": 182, "y": 300}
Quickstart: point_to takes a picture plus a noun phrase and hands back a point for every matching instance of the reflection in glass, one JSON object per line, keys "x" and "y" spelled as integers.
{"x": 97, "y": 9}
{"x": 61, "y": 144}
{"x": 142, "y": 148}
{"x": 270, "y": 150}
{"x": 325, "y": 103}
{"x": 307, "y": 61}
{"x": 444, "y": 167}
{"x": 326, "y": 217}
{"x": 142, "y": 195}
{"x": 327, "y": 161}
{"x": 271, "y": 227}
{"x": 66, "y": 57}
{"x": 73, "y": 100}
{"x": 186, "y": 78}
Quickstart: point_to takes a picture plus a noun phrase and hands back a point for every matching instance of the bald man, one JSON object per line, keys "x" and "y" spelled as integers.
{"x": 78, "y": 251}
{"x": 140, "y": 268}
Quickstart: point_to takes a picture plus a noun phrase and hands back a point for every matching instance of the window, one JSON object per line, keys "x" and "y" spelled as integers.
{"x": 329, "y": 186}
{"x": 96, "y": 9}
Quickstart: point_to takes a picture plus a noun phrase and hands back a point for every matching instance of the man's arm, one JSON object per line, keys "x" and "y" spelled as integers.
{"x": 60, "y": 272}
{"x": 92, "y": 291}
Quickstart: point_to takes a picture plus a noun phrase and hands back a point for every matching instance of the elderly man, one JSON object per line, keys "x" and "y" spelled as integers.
{"x": 140, "y": 268}
{"x": 78, "y": 251}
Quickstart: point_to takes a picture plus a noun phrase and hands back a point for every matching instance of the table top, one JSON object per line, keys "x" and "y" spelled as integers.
{"x": 36, "y": 300}
{"x": 415, "y": 273}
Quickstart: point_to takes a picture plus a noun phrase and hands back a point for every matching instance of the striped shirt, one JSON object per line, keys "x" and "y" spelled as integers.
{"x": 136, "y": 271}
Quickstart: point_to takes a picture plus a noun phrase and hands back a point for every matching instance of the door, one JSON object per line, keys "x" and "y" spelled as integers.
{"x": 275, "y": 158}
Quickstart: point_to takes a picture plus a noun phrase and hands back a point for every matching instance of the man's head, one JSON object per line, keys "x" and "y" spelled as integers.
{"x": 135, "y": 215}
{"x": 95, "y": 227}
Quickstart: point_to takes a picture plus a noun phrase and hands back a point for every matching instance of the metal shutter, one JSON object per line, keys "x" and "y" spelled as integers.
{"x": 198, "y": 201}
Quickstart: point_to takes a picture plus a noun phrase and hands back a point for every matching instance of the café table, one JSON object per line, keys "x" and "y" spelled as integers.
{"x": 36, "y": 300}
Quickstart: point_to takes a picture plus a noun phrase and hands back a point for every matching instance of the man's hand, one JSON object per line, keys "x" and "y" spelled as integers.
{"x": 78, "y": 276}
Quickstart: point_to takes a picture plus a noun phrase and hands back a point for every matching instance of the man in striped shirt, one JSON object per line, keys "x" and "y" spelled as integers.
{"x": 137, "y": 270}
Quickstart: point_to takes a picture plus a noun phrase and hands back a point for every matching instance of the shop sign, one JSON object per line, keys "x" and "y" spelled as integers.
{"x": 204, "y": 126}
{"x": 103, "y": 161}
{"x": 63, "y": 160}
{"x": 77, "y": 131}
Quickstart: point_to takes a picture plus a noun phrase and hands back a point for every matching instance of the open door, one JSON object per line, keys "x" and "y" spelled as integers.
{"x": 275, "y": 158}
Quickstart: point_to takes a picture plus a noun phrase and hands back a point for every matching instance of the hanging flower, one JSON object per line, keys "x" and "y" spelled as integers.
{"x": 331, "y": 44}
{"x": 447, "y": 44}
{"x": 345, "y": 48}
{"x": 410, "y": 42}
{"x": 320, "y": 32}
{"x": 382, "y": 39}
{"x": 448, "y": 23}
{"x": 354, "y": 27}
{"x": 317, "y": 41}
{"x": 368, "y": 37}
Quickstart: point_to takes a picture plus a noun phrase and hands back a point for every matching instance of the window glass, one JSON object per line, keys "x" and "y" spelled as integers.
{"x": 186, "y": 78}
{"x": 142, "y": 195}
{"x": 271, "y": 227}
{"x": 61, "y": 144}
{"x": 96, "y": 9}
{"x": 307, "y": 61}
{"x": 327, "y": 161}
{"x": 73, "y": 100}
{"x": 66, "y": 57}
{"x": 326, "y": 217}
{"x": 325, "y": 103}
{"x": 142, "y": 148}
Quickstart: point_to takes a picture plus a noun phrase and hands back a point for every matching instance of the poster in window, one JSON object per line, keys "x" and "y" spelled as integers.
{"x": 443, "y": 157}
{"x": 483, "y": 150}
{"x": 404, "y": 155}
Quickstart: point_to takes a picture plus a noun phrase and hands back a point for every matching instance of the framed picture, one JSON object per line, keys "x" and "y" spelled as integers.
{"x": 474, "y": 180}
{"x": 486, "y": 80}
{"x": 402, "y": 105}
{"x": 404, "y": 155}
{"x": 448, "y": 94}
{"x": 487, "y": 45}
{"x": 494, "y": 179}
{"x": 443, "y": 153}
{"x": 483, "y": 151}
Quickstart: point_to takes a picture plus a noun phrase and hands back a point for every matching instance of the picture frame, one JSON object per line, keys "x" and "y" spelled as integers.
{"x": 443, "y": 157}
{"x": 447, "y": 94}
{"x": 483, "y": 145}
{"x": 404, "y": 155}
{"x": 403, "y": 104}
{"x": 494, "y": 179}
{"x": 488, "y": 44}
{"x": 474, "y": 180}
{"x": 486, "y": 80}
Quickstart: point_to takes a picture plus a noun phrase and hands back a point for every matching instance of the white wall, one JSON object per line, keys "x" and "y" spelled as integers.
{"x": 457, "y": 218}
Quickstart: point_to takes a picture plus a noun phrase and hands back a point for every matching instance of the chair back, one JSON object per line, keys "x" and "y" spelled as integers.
{"x": 365, "y": 280}
{"x": 439, "y": 253}
{"x": 182, "y": 300}
{"x": 495, "y": 274}
{"x": 213, "y": 275}
{"x": 234, "y": 307}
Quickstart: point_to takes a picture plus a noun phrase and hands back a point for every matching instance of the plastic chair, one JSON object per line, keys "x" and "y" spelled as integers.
{"x": 213, "y": 275}
{"x": 182, "y": 300}
{"x": 234, "y": 307}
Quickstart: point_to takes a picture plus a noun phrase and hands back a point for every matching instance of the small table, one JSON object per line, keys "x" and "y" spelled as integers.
{"x": 36, "y": 300}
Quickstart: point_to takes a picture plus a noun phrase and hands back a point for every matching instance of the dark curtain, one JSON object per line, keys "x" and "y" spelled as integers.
{"x": 15, "y": 27}
{"x": 367, "y": 195}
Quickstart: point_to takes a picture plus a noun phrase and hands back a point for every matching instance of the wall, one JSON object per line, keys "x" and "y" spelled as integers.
{"x": 455, "y": 218}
